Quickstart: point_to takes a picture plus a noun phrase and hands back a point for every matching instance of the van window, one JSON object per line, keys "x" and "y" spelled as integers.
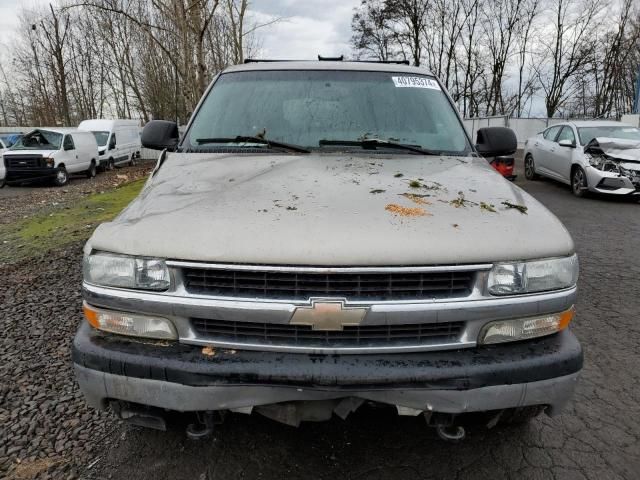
{"x": 112, "y": 142}
{"x": 101, "y": 138}
{"x": 68, "y": 143}
{"x": 39, "y": 140}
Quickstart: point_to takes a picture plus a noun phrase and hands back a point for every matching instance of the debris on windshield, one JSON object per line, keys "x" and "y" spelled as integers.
{"x": 488, "y": 207}
{"x": 417, "y": 199}
{"x": 292, "y": 208}
{"x": 520, "y": 208}
{"x": 455, "y": 225}
{"x": 399, "y": 175}
{"x": 406, "y": 211}
{"x": 377, "y": 190}
{"x": 461, "y": 201}
{"x": 415, "y": 184}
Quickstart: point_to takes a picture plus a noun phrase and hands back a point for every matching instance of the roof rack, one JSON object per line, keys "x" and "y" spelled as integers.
{"x": 327, "y": 59}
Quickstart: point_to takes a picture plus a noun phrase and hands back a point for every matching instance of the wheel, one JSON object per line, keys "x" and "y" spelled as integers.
{"x": 3, "y": 182}
{"x": 61, "y": 178}
{"x": 132, "y": 162}
{"x": 110, "y": 164}
{"x": 530, "y": 168}
{"x": 579, "y": 182}
{"x": 92, "y": 170}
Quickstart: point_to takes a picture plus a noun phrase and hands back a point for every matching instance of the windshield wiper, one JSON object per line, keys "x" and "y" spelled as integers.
{"x": 376, "y": 142}
{"x": 250, "y": 139}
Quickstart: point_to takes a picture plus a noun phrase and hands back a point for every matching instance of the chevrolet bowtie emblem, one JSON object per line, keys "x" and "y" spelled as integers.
{"x": 328, "y": 315}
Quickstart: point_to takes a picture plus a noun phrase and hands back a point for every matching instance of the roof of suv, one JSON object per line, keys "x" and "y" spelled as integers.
{"x": 328, "y": 65}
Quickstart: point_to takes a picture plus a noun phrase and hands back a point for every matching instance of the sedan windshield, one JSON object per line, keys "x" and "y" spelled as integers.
{"x": 101, "y": 138}
{"x": 610, "y": 131}
{"x": 329, "y": 109}
{"x": 39, "y": 140}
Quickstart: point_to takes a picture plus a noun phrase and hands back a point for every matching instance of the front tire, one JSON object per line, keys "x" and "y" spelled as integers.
{"x": 61, "y": 178}
{"x": 579, "y": 182}
{"x": 132, "y": 162}
{"x": 110, "y": 164}
{"x": 92, "y": 170}
{"x": 530, "y": 168}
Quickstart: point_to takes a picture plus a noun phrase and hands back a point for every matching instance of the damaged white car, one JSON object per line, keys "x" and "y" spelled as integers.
{"x": 591, "y": 156}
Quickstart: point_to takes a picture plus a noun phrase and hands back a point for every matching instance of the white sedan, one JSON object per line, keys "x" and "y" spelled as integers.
{"x": 590, "y": 156}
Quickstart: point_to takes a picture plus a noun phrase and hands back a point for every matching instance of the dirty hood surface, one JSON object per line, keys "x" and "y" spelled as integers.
{"x": 332, "y": 210}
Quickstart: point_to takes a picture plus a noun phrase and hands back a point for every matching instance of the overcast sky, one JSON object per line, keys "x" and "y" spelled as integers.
{"x": 307, "y": 28}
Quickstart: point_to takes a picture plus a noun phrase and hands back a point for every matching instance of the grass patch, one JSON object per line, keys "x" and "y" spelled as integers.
{"x": 56, "y": 228}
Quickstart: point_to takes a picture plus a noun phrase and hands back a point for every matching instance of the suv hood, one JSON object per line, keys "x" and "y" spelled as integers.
{"x": 332, "y": 210}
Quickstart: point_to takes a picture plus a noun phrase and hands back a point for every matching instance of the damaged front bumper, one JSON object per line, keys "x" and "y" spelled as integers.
{"x": 180, "y": 377}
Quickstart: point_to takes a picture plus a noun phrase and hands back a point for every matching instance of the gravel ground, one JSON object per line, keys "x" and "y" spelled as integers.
{"x": 46, "y": 430}
{"x": 20, "y": 202}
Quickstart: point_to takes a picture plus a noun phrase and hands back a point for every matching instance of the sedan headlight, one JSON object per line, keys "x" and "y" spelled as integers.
{"x": 535, "y": 276}
{"x": 111, "y": 270}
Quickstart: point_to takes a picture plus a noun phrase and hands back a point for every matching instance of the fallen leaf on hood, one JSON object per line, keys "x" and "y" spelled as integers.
{"x": 520, "y": 208}
{"x": 488, "y": 207}
{"x": 405, "y": 211}
{"x": 417, "y": 199}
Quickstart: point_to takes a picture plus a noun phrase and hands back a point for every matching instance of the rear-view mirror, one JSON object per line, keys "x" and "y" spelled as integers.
{"x": 496, "y": 141}
{"x": 160, "y": 134}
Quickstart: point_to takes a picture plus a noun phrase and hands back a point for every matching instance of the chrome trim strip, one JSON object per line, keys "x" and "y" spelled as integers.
{"x": 296, "y": 269}
{"x": 330, "y": 350}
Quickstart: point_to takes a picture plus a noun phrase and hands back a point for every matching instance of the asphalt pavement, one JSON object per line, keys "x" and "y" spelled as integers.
{"x": 597, "y": 437}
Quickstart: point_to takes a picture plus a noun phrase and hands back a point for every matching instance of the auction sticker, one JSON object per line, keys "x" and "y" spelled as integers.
{"x": 415, "y": 82}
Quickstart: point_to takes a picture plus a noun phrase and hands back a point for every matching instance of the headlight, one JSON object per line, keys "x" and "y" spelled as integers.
{"x": 536, "y": 276}
{"x": 122, "y": 271}
{"x": 49, "y": 162}
{"x": 524, "y": 328}
{"x": 131, "y": 324}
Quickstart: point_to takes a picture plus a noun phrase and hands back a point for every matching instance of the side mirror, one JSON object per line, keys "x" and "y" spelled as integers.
{"x": 160, "y": 134}
{"x": 496, "y": 141}
{"x": 567, "y": 143}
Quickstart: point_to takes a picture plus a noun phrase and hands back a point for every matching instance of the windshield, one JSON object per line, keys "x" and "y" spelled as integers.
{"x": 9, "y": 139}
{"x": 39, "y": 140}
{"x": 610, "y": 131}
{"x": 307, "y": 106}
{"x": 101, "y": 138}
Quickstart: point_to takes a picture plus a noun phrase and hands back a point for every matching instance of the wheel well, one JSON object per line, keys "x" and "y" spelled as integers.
{"x": 62, "y": 165}
{"x": 574, "y": 167}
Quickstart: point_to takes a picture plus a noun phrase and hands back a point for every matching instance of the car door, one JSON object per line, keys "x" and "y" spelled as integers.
{"x": 561, "y": 157}
{"x": 544, "y": 147}
{"x": 70, "y": 154}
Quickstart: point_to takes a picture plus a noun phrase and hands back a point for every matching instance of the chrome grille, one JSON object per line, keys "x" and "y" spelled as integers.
{"x": 302, "y": 285}
{"x": 274, "y": 334}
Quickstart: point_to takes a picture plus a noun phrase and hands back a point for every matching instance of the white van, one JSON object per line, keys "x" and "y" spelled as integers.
{"x": 118, "y": 141}
{"x": 54, "y": 153}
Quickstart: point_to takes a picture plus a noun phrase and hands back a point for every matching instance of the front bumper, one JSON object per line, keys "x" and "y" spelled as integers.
{"x": 30, "y": 173}
{"x": 180, "y": 377}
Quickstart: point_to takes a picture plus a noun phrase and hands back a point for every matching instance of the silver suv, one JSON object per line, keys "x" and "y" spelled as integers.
{"x": 325, "y": 234}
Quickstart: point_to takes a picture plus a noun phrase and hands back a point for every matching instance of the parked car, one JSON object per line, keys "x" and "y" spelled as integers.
{"x": 118, "y": 141}
{"x": 324, "y": 235}
{"x": 53, "y": 153}
{"x": 590, "y": 156}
